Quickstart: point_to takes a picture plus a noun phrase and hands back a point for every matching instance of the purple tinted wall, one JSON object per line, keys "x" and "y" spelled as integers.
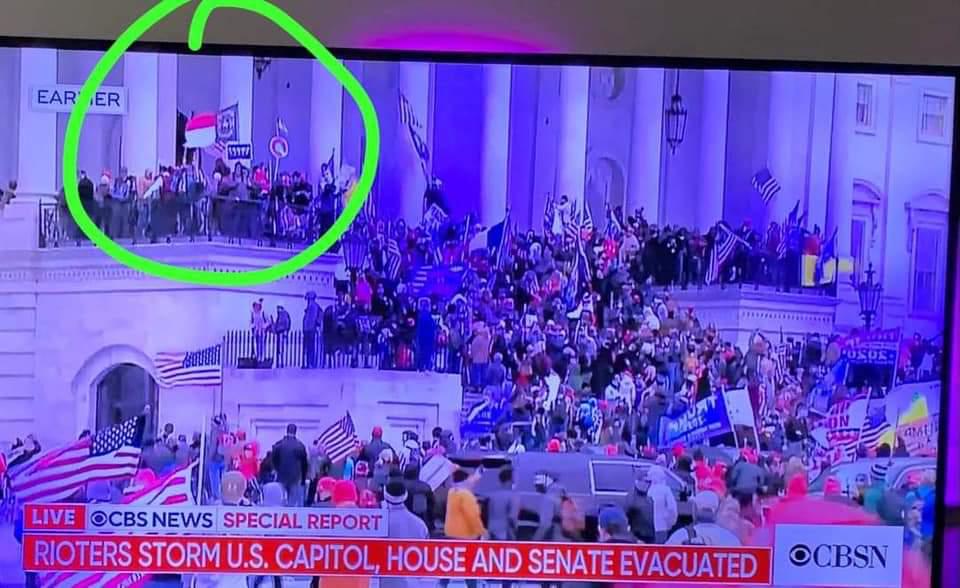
{"x": 100, "y": 138}
{"x": 198, "y": 89}
{"x": 457, "y": 128}
{"x": 747, "y": 135}
{"x": 351, "y": 139}
{"x": 523, "y": 139}
{"x": 284, "y": 92}
{"x": 953, "y": 405}
{"x": 548, "y": 136}
{"x": 381, "y": 82}
{"x": 681, "y": 181}
{"x": 612, "y": 93}
{"x": 9, "y": 111}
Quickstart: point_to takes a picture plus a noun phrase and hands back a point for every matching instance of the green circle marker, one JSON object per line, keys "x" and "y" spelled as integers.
{"x": 301, "y": 35}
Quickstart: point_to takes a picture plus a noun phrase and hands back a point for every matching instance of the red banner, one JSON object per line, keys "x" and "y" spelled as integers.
{"x": 539, "y": 562}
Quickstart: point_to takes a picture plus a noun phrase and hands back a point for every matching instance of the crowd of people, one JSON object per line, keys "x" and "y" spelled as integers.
{"x": 574, "y": 341}
{"x": 235, "y": 202}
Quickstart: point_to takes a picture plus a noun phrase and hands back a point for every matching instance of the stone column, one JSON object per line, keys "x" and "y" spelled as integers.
{"x": 643, "y": 179}
{"x": 713, "y": 148}
{"x": 236, "y": 87}
{"x": 821, "y": 125}
{"x": 166, "y": 109}
{"x": 572, "y": 147}
{"x": 413, "y": 82}
{"x": 37, "y": 142}
{"x": 788, "y": 137}
{"x": 326, "y": 121}
{"x": 840, "y": 187}
{"x": 141, "y": 125}
{"x": 496, "y": 142}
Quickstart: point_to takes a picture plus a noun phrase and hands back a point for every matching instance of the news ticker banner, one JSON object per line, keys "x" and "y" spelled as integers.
{"x": 305, "y": 556}
{"x": 204, "y": 520}
{"x": 353, "y": 542}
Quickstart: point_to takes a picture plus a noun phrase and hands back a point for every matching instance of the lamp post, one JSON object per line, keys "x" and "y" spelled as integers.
{"x": 261, "y": 65}
{"x": 355, "y": 248}
{"x": 868, "y": 292}
{"x": 676, "y": 117}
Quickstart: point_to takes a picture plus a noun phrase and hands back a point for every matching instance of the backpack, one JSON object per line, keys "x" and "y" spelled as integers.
{"x": 692, "y": 537}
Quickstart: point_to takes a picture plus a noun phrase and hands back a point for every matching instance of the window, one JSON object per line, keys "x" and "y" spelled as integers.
{"x": 866, "y": 108}
{"x": 934, "y": 109}
{"x": 926, "y": 263}
{"x": 858, "y": 245}
{"x": 615, "y": 477}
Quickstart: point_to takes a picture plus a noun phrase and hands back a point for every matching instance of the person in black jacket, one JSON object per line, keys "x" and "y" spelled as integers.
{"x": 640, "y": 512}
{"x": 420, "y": 499}
{"x": 290, "y": 462}
{"x": 86, "y": 189}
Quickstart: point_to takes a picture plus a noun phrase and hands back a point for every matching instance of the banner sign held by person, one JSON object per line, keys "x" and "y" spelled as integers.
{"x": 239, "y": 151}
{"x": 706, "y": 419}
{"x": 480, "y": 419}
{"x": 739, "y": 408}
{"x": 872, "y": 347}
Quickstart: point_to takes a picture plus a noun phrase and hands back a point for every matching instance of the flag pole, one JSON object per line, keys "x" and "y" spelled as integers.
{"x": 204, "y": 431}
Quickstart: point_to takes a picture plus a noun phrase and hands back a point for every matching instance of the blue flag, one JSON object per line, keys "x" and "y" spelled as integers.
{"x": 827, "y": 253}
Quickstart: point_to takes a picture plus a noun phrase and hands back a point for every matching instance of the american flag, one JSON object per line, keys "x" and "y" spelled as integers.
{"x": 724, "y": 246}
{"x": 340, "y": 439}
{"x": 789, "y": 225}
{"x": 218, "y": 150}
{"x": 549, "y": 211}
{"x": 614, "y": 228}
{"x": 434, "y": 218}
{"x": 190, "y": 368}
{"x": 766, "y": 185}
{"x": 874, "y": 428}
{"x": 392, "y": 260}
{"x": 110, "y": 454}
{"x": 409, "y": 119}
{"x": 172, "y": 490}
{"x": 586, "y": 224}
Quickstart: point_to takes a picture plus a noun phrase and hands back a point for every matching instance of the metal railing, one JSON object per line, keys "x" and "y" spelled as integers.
{"x": 187, "y": 218}
{"x": 270, "y": 350}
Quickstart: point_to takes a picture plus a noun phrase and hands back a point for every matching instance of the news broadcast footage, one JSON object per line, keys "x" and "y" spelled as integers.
{"x": 632, "y": 325}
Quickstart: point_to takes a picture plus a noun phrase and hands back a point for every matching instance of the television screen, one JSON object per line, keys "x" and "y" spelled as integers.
{"x": 592, "y": 323}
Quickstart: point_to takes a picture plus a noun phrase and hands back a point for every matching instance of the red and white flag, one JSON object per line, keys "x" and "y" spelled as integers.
{"x": 201, "y": 131}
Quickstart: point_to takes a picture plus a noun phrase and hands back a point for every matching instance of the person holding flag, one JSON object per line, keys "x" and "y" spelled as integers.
{"x": 790, "y": 249}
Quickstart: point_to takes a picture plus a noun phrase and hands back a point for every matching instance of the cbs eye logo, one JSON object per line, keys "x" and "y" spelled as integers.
{"x": 800, "y": 555}
{"x": 98, "y": 518}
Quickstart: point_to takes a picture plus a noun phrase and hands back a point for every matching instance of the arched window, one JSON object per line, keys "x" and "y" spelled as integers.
{"x": 123, "y": 393}
{"x": 927, "y": 241}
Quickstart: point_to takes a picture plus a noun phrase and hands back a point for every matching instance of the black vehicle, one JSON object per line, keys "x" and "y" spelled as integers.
{"x": 592, "y": 481}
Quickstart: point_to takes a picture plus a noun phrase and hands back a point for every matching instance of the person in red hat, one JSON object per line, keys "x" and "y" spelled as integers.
{"x": 344, "y": 494}
{"x": 831, "y": 486}
{"x": 374, "y": 448}
{"x": 554, "y": 446}
{"x": 325, "y": 491}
